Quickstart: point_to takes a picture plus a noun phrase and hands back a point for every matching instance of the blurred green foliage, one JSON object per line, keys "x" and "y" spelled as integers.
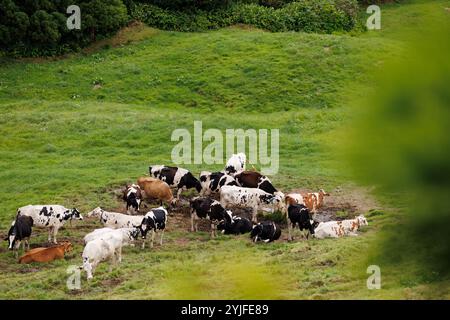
{"x": 401, "y": 143}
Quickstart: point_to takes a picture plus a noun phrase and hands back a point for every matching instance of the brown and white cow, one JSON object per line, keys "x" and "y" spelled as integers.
{"x": 314, "y": 200}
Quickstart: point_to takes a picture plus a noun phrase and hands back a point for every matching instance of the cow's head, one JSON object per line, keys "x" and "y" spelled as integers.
{"x": 256, "y": 231}
{"x": 314, "y": 224}
{"x": 362, "y": 220}
{"x": 97, "y": 212}
{"x": 67, "y": 246}
{"x": 75, "y": 214}
{"x": 11, "y": 238}
{"x": 134, "y": 233}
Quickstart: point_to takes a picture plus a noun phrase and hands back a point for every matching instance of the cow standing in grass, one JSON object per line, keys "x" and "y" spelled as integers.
{"x": 236, "y": 164}
{"x": 52, "y": 217}
{"x": 207, "y": 208}
{"x": 133, "y": 197}
{"x": 248, "y": 198}
{"x": 175, "y": 177}
{"x": 19, "y": 232}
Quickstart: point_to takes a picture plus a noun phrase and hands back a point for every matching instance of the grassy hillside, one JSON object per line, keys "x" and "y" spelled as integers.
{"x": 73, "y": 130}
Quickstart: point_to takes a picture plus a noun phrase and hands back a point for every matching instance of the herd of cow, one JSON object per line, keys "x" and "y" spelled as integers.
{"x": 235, "y": 186}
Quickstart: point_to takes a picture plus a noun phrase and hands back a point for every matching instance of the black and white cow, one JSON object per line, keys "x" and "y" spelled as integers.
{"x": 237, "y": 225}
{"x": 207, "y": 208}
{"x": 20, "y": 231}
{"x": 155, "y": 221}
{"x": 266, "y": 231}
{"x": 175, "y": 177}
{"x": 211, "y": 182}
{"x": 52, "y": 217}
{"x": 248, "y": 198}
{"x": 133, "y": 197}
{"x": 299, "y": 215}
{"x": 235, "y": 164}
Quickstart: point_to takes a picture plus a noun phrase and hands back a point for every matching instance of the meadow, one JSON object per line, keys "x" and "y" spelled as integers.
{"x": 75, "y": 129}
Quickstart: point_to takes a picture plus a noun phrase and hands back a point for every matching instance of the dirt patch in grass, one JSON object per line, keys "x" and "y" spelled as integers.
{"x": 344, "y": 203}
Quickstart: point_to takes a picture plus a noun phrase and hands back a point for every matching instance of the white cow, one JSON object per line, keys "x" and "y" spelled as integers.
{"x": 247, "y": 198}
{"x": 236, "y": 164}
{"x": 116, "y": 220}
{"x": 50, "y": 216}
{"x": 99, "y": 250}
{"x": 336, "y": 229}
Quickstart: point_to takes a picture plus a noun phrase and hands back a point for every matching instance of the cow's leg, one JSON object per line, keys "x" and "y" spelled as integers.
{"x": 16, "y": 249}
{"x": 254, "y": 214}
{"x": 50, "y": 232}
{"x": 161, "y": 238}
{"x": 55, "y": 231}
{"x": 119, "y": 254}
{"x": 153, "y": 238}
{"x": 192, "y": 222}
{"x": 212, "y": 229}
{"x": 143, "y": 243}
{"x": 289, "y": 230}
{"x": 179, "y": 192}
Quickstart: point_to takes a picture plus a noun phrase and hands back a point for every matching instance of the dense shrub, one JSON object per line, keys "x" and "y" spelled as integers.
{"x": 306, "y": 15}
{"x": 38, "y": 27}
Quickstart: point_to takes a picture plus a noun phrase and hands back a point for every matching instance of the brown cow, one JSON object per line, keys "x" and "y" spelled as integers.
{"x": 156, "y": 189}
{"x": 46, "y": 254}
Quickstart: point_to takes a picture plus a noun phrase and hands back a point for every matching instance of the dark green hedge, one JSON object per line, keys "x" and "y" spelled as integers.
{"x": 38, "y": 27}
{"x": 324, "y": 16}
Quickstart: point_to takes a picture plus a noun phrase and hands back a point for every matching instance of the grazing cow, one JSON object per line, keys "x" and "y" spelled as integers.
{"x": 314, "y": 200}
{"x": 248, "y": 197}
{"x": 298, "y": 214}
{"x": 116, "y": 220}
{"x": 133, "y": 197}
{"x": 329, "y": 229}
{"x": 155, "y": 220}
{"x": 20, "y": 231}
{"x": 175, "y": 177}
{"x": 236, "y": 164}
{"x": 118, "y": 237}
{"x": 203, "y": 207}
{"x": 96, "y": 251}
{"x": 52, "y": 217}
{"x": 266, "y": 231}
{"x": 46, "y": 254}
{"x": 212, "y": 182}
{"x": 156, "y": 189}
{"x": 237, "y": 225}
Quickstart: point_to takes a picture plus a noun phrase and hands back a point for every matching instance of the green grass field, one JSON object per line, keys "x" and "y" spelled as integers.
{"x": 72, "y": 130}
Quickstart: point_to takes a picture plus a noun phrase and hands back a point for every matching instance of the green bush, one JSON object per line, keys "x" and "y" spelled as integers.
{"x": 323, "y": 16}
{"x": 38, "y": 27}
